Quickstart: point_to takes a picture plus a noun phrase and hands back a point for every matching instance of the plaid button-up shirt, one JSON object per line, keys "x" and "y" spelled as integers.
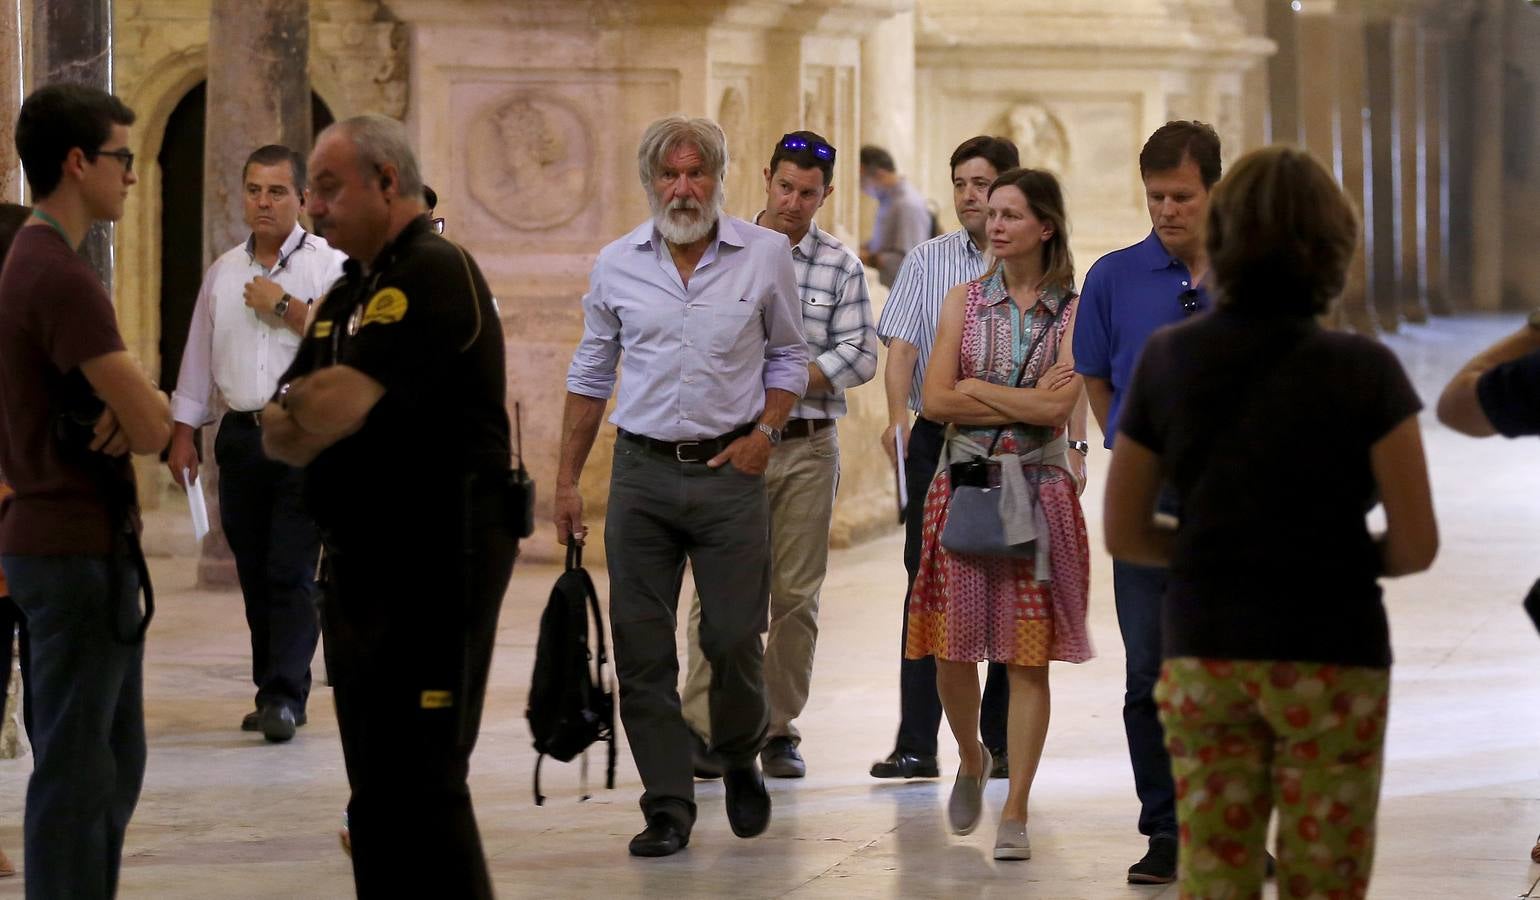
{"x": 836, "y": 320}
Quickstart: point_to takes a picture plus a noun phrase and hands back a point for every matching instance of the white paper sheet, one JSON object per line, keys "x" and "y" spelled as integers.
{"x": 196, "y": 505}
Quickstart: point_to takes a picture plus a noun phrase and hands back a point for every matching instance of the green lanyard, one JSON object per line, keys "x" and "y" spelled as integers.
{"x": 46, "y": 219}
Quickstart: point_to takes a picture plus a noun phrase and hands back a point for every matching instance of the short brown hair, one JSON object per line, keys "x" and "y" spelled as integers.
{"x": 999, "y": 152}
{"x": 1046, "y": 200}
{"x": 1175, "y": 141}
{"x": 1281, "y": 234}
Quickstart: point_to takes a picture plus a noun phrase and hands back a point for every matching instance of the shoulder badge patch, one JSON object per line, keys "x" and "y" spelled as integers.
{"x": 388, "y": 306}
{"x": 437, "y": 699}
{"x": 323, "y": 329}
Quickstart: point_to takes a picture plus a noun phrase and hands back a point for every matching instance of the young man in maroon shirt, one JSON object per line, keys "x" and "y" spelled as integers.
{"x": 73, "y": 406}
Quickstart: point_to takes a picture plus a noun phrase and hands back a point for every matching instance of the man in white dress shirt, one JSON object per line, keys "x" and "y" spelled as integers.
{"x": 246, "y": 327}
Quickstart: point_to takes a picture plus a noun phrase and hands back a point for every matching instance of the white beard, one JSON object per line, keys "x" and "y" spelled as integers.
{"x": 678, "y": 231}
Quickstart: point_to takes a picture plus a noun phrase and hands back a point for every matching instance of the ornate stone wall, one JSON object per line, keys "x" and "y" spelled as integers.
{"x": 527, "y": 118}
{"x": 1078, "y": 86}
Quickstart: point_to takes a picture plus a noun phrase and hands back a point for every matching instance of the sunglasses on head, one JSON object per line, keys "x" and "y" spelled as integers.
{"x": 795, "y": 144}
{"x": 1189, "y": 300}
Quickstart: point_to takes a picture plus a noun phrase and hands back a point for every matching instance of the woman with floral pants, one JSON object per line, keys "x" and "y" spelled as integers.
{"x": 1276, "y": 437}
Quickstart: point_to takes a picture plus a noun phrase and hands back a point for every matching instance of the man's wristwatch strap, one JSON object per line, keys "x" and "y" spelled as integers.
{"x": 774, "y": 434}
{"x": 1082, "y": 446}
{"x": 281, "y": 308}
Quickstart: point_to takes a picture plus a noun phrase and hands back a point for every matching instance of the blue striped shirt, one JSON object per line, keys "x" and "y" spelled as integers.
{"x": 914, "y": 305}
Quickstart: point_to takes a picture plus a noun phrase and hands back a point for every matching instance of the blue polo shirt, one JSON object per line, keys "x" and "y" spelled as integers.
{"x": 1127, "y": 295}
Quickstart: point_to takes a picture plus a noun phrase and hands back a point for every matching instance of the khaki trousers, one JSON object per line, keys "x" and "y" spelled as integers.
{"x": 801, "y": 480}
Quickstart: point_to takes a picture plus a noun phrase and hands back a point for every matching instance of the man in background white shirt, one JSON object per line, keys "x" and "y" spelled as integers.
{"x": 246, "y": 328}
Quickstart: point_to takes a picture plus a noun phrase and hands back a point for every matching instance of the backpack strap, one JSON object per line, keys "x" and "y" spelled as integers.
{"x": 539, "y": 797}
{"x": 601, "y": 659}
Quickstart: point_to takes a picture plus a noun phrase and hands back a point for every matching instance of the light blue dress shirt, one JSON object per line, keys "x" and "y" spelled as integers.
{"x": 694, "y": 361}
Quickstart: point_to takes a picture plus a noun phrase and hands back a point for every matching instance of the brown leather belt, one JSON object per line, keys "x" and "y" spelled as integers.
{"x": 687, "y": 451}
{"x": 801, "y": 428}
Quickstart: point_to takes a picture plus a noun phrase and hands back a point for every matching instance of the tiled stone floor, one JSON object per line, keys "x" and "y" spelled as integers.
{"x": 225, "y": 815}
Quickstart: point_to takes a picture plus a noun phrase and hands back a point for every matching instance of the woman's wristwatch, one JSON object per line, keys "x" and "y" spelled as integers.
{"x": 1083, "y": 446}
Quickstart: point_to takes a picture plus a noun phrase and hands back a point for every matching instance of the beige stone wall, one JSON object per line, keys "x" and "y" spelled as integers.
{"x": 1079, "y": 86}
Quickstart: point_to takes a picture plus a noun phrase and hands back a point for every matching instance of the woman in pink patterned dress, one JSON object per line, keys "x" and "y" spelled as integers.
{"x": 1016, "y": 319}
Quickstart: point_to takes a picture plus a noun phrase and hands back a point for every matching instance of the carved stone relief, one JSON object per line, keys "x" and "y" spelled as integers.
{"x": 1040, "y": 137}
{"x": 530, "y": 160}
{"x": 354, "y": 54}
{"x": 742, "y": 192}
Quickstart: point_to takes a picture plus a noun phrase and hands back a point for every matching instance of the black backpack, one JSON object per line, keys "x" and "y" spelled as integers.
{"x": 570, "y": 701}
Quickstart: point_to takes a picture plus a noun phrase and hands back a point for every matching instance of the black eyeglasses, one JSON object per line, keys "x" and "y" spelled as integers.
{"x": 1189, "y": 300}
{"x": 437, "y": 224}
{"x": 795, "y": 144}
{"x": 122, "y": 155}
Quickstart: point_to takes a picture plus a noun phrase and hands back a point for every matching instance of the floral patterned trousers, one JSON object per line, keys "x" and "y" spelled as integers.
{"x": 1249, "y": 736}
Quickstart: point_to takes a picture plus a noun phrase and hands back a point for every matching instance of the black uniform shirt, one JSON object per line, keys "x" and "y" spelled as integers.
{"x": 422, "y": 323}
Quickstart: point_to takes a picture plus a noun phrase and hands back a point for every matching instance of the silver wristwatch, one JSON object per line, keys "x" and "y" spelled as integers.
{"x": 1082, "y": 446}
{"x": 774, "y": 434}
{"x": 281, "y": 308}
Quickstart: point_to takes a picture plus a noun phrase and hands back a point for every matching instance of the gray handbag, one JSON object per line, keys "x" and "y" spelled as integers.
{"x": 974, "y": 525}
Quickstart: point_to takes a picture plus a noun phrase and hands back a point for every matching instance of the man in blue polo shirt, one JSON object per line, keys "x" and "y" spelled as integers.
{"x": 1127, "y": 295}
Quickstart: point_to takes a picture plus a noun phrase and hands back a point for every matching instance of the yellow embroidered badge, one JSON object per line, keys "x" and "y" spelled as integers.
{"x": 388, "y": 306}
{"x": 323, "y": 329}
{"x": 437, "y": 699}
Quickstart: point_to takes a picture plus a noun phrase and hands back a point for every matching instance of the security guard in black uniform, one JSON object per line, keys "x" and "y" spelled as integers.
{"x": 395, "y": 404}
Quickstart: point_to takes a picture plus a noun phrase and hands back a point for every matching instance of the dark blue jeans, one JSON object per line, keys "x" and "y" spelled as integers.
{"x": 919, "y": 716}
{"x": 1139, "y": 592}
{"x": 276, "y": 545}
{"x": 87, "y": 722}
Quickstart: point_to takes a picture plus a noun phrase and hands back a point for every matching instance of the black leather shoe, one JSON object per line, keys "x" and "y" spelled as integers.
{"x": 1158, "y": 865}
{"x": 748, "y": 804}
{"x": 900, "y": 764}
{"x": 252, "y": 721}
{"x": 663, "y": 837}
{"x": 781, "y": 759}
{"x": 707, "y": 764}
{"x": 1002, "y": 766}
{"x": 277, "y": 722}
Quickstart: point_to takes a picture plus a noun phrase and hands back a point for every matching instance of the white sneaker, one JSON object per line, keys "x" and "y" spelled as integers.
{"x": 1011, "y": 842}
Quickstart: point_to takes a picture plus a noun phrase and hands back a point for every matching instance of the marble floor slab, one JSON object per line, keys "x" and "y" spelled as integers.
{"x": 226, "y": 815}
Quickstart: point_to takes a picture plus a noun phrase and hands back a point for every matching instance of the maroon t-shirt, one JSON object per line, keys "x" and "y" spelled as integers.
{"x": 54, "y": 315}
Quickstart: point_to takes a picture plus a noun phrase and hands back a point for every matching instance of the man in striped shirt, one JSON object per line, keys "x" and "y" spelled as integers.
{"x": 908, "y": 327}
{"x": 804, "y": 468}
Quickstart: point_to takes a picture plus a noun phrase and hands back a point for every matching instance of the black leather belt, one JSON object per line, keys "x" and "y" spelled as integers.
{"x": 246, "y": 417}
{"x": 801, "y": 428}
{"x": 687, "y": 451}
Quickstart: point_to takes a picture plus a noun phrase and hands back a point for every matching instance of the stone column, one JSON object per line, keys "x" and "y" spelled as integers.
{"x": 1486, "y": 201}
{"x": 1353, "y": 165}
{"x": 1433, "y": 168}
{"x": 1284, "y": 74}
{"x": 258, "y": 93}
{"x": 1411, "y": 113}
{"x": 1316, "y": 45}
{"x": 1381, "y": 236}
{"x": 10, "y": 102}
{"x": 887, "y": 100}
{"x": 72, "y": 43}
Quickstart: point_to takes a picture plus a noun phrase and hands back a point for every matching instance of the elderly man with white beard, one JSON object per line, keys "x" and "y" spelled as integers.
{"x": 701, "y": 313}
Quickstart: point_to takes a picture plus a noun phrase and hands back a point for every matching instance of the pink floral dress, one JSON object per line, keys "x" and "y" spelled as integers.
{"x": 973, "y": 608}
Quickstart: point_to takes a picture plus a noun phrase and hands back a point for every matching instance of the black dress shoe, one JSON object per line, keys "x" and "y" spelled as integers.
{"x": 707, "y": 764}
{"x": 277, "y": 722}
{"x": 901, "y": 764}
{"x": 252, "y": 721}
{"x": 781, "y": 759}
{"x": 662, "y": 837}
{"x": 1002, "y": 766}
{"x": 748, "y": 804}
{"x": 1159, "y": 863}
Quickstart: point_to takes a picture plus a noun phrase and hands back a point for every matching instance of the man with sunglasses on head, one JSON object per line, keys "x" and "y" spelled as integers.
{"x": 73, "y": 405}
{"x": 1127, "y": 295}
{"x": 804, "y": 469}
{"x": 908, "y": 327}
{"x": 245, "y": 330}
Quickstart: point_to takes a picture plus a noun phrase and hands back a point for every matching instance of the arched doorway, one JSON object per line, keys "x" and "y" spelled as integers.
{"x": 181, "y": 220}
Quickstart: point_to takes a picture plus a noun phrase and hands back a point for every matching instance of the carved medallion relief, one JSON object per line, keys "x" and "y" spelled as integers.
{"x": 529, "y": 158}
{"x": 1040, "y": 137}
